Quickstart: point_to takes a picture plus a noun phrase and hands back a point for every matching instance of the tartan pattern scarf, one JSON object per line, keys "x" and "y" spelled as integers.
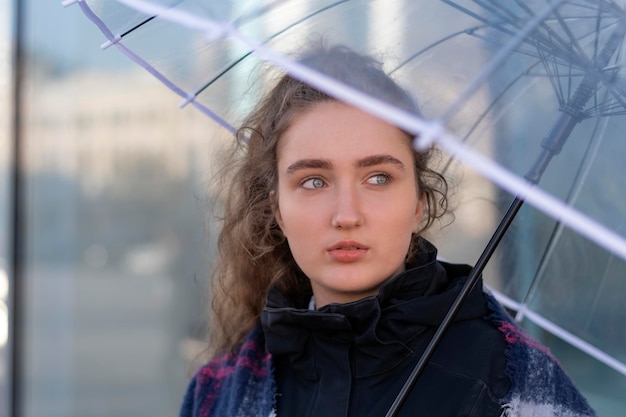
{"x": 241, "y": 384}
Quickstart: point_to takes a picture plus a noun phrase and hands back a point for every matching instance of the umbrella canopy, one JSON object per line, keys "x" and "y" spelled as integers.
{"x": 504, "y": 87}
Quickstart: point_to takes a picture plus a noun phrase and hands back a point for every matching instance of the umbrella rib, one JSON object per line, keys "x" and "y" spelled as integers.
{"x": 91, "y": 15}
{"x": 587, "y": 64}
{"x": 149, "y": 19}
{"x": 548, "y": 39}
{"x": 617, "y": 92}
{"x": 601, "y": 287}
{"x": 469, "y": 31}
{"x": 553, "y": 70}
{"x": 596, "y": 40}
{"x": 592, "y": 148}
{"x": 573, "y": 41}
{"x": 556, "y": 86}
{"x": 137, "y": 26}
{"x": 523, "y": 6}
{"x": 493, "y": 104}
{"x": 261, "y": 10}
{"x": 566, "y": 47}
{"x": 497, "y": 10}
{"x": 570, "y": 78}
{"x": 482, "y": 116}
{"x": 539, "y": 37}
{"x": 618, "y": 95}
{"x": 498, "y": 58}
{"x": 573, "y": 194}
{"x": 612, "y": 109}
{"x": 478, "y": 17}
{"x": 558, "y": 76}
{"x": 257, "y": 12}
{"x": 551, "y": 37}
{"x": 563, "y": 334}
{"x": 247, "y": 54}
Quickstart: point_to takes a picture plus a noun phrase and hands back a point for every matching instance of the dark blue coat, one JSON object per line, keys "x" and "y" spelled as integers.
{"x": 352, "y": 359}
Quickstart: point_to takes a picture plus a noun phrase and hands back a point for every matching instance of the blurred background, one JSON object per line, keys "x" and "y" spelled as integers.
{"x": 113, "y": 234}
{"x": 114, "y": 243}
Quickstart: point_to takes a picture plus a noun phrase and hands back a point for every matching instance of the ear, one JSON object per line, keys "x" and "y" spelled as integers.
{"x": 419, "y": 212}
{"x": 276, "y": 209}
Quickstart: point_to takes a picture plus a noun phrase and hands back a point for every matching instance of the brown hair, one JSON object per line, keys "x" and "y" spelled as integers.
{"x": 253, "y": 254}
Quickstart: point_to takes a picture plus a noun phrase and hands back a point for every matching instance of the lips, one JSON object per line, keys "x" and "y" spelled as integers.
{"x": 347, "y": 251}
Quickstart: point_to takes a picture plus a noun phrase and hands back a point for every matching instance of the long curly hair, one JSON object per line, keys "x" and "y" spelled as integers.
{"x": 253, "y": 255}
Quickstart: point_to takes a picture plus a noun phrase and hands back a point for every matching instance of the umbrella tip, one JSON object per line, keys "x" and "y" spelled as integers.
{"x": 66, "y": 3}
{"x": 110, "y": 42}
{"x": 427, "y": 136}
{"x": 187, "y": 100}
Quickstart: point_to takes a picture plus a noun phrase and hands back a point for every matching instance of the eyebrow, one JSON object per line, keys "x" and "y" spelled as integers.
{"x": 309, "y": 163}
{"x": 379, "y": 160}
{"x": 368, "y": 161}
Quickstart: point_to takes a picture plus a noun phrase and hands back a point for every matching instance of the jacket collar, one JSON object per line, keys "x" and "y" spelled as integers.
{"x": 379, "y": 329}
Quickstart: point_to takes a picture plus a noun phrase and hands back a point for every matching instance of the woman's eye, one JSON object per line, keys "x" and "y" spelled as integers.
{"x": 313, "y": 183}
{"x": 379, "y": 179}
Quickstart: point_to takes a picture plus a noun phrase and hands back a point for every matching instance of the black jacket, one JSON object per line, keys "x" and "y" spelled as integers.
{"x": 352, "y": 359}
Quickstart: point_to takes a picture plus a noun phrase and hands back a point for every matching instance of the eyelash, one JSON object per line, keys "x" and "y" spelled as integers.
{"x": 387, "y": 178}
{"x": 310, "y": 181}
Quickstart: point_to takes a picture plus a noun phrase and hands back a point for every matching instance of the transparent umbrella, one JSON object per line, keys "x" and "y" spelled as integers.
{"x": 504, "y": 87}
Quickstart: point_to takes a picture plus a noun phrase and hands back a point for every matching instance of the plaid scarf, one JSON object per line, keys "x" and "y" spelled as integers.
{"x": 242, "y": 385}
{"x": 541, "y": 388}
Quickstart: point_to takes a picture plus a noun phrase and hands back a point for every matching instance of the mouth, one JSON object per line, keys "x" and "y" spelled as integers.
{"x": 347, "y": 251}
{"x": 348, "y": 245}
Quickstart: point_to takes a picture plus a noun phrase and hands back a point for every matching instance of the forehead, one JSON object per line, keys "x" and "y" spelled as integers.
{"x": 336, "y": 130}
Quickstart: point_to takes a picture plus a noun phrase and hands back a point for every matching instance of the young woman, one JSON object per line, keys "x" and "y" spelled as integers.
{"x": 325, "y": 294}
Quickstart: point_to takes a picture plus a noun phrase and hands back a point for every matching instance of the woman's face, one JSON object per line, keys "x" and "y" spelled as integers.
{"x": 347, "y": 200}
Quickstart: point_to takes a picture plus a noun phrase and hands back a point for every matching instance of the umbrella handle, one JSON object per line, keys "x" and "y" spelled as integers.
{"x": 465, "y": 290}
{"x": 572, "y": 111}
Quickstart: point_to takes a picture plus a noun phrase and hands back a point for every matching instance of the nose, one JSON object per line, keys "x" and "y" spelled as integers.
{"x": 348, "y": 211}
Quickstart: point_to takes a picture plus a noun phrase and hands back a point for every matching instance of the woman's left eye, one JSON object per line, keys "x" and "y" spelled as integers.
{"x": 379, "y": 179}
{"x": 313, "y": 183}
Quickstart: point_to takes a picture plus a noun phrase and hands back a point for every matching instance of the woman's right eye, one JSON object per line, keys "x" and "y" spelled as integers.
{"x": 313, "y": 183}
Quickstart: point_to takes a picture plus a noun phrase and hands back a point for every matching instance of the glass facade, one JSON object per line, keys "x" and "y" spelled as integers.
{"x": 6, "y": 12}
{"x": 115, "y": 233}
{"x": 114, "y": 224}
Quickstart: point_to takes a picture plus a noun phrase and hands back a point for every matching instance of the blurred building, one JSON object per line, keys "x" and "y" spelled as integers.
{"x": 97, "y": 124}
{"x": 116, "y": 246}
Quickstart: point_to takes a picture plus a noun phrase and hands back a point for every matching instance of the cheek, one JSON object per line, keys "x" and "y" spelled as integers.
{"x": 402, "y": 211}
{"x": 303, "y": 236}
{"x": 294, "y": 219}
